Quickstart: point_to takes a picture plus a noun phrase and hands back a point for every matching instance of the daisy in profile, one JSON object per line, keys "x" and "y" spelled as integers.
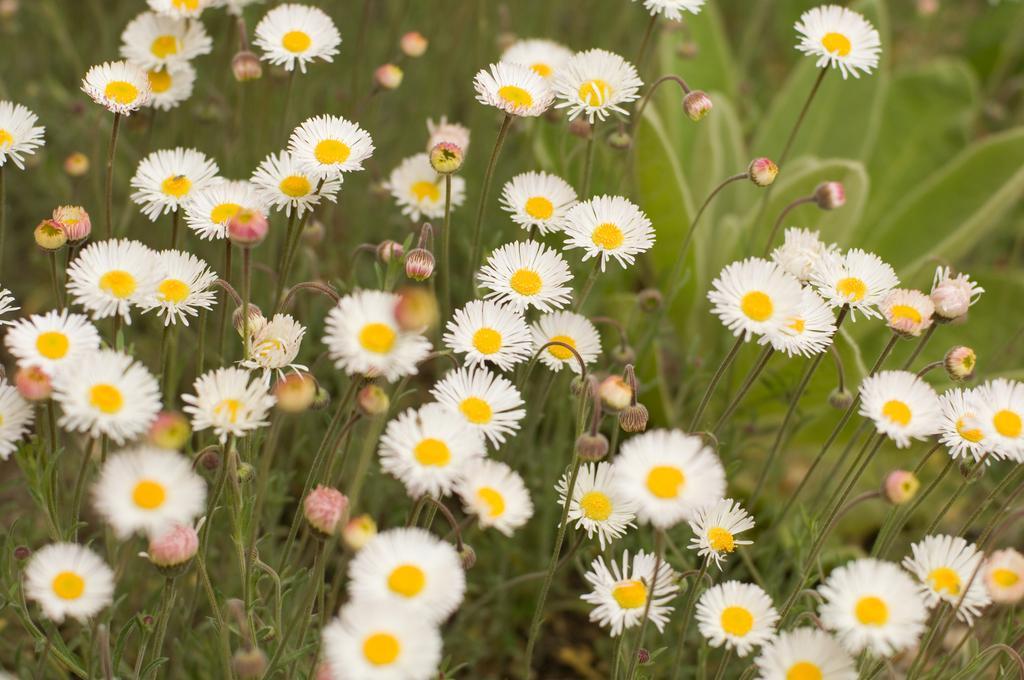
{"x": 953, "y": 295}
{"x": 959, "y": 430}
{"x": 543, "y": 57}
{"x": 999, "y": 408}
{"x": 856, "y": 278}
{"x": 409, "y": 567}
{"x": 1003, "y": 575}
{"x": 488, "y": 332}
{"x": 227, "y": 401}
{"x": 800, "y": 252}
{"x": 495, "y": 494}
{"x": 166, "y": 179}
{"x": 110, "y": 277}
{"x": 620, "y": 593}
{"x": 901, "y": 405}
{"x": 569, "y": 328}
{"x": 180, "y": 9}
{"x": 119, "y": 86}
{"x": 7, "y": 305}
{"x": 596, "y": 83}
{"x": 755, "y": 297}
{"x": 538, "y": 200}
{"x": 185, "y": 287}
{"x": 872, "y": 605}
{"x": 282, "y": 185}
{"x": 907, "y": 312}
{"x": 235, "y": 7}
{"x": 363, "y": 337}
{"x": 154, "y": 40}
{"x": 274, "y": 345}
{"x": 210, "y": 209}
{"x": 171, "y": 85}
{"x": 486, "y": 401}
{"x": 52, "y": 340}
{"x": 513, "y": 88}
{"x": 945, "y": 565}
{"x": 372, "y": 642}
{"x": 445, "y": 131}
{"x": 608, "y": 227}
{"x": 597, "y": 505}
{"x": 110, "y": 394}
{"x": 293, "y": 34}
{"x": 427, "y": 450}
{"x": 420, "y": 191}
{"x": 669, "y": 475}
{"x": 19, "y": 134}
{"x": 840, "y": 38}
{"x": 527, "y": 274}
{"x": 805, "y": 654}
{"x": 738, "y": 615}
{"x": 68, "y": 580}
{"x": 715, "y": 527}
{"x": 673, "y": 9}
{"x": 16, "y": 416}
{"x": 327, "y": 146}
{"x": 147, "y": 490}
{"x": 808, "y": 333}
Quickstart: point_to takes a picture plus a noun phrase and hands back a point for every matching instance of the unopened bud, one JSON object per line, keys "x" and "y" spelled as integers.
{"x": 313, "y": 234}
{"x": 633, "y": 418}
{"x": 295, "y": 392}
{"x": 578, "y": 385}
{"x": 322, "y": 399}
{"x": 359, "y": 531}
{"x": 615, "y": 393}
{"x": 840, "y": 399}
{"x": 960, "y": 363}
{"x": 417, "y": 309}
{"x": 952, "y": 298}
{"x": 174, "y": 547}
{"x": 762, "y": 171}
{"x": 623, "y": 354}
{"x": 697, "y": 105}
{"x": 22, "y": 553}
{"x": 33, "y": 383}
{"x": 249, "y": 663}
{"x": 688, "y": 49}
{"x": 170, "y": 431}
{"x": 467, "y": 556}
{"x": 591, "y": 447}
{"x": 419, "y": 264}
{"x": 246, "y": 472}
{"x": 579, "y": 127}
{"x": 900, "y": 486}
{"x": 76, "y": 164}
{"x": 388, "y": 77}
{"x": 373, "y": 401}
{"x": 620, "y": 139}
{"x": 246, "y": 66}
{"x": 643, "y": 656}
{"x": 75, "y": 222}
{"x": 324, "y": 508}
{"x": 650, "y": 300}
{"x": 209, "y": 458}
{"x": 413, "y": 44}
{"x": 49, "y": 235}
{"x": 387, "y": 250}
{"x": 830, "y": 195}
{"x": 247, "y": 228}
{"x": 256, "y": 319}
{"x": 446, "y": 158}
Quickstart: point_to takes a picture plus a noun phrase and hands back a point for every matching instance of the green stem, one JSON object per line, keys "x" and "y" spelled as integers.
{"x": 588, "y": 285}
{"x": 898, "y": 515}
{"x": 109, "y": 191}
{"x": 474, "y": 259}
{"x": 684, "y": 622}
{"x": 166, "y": 607}
{"x": 58, "y": 294}
{"x": 446, "y": 249}
{"x": 588, "y": 163}
{"x": 306, "y": 609}
{"x": 751, "y": 378}
{"x": 246, "y": 294}
{"x": 715, "y": 379}
{"x": 176, "y": 229}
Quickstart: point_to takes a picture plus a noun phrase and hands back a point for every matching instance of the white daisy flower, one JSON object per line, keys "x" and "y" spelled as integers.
{"x": 371, "y": 642}
{"x": 110, "y": 277}
{"x": 147, "y": 490}
{"x": 110, "y": 394}
{"x": 620, "y": 593}
{"x": 444, "y": 131}
{"x": 808, "y": 333}
{"x": 409, "y": 569}
{"x": 608, "y": 227}
{"x": 755, "y": 297}
{"x": 538, "y": 199}
{"x": 7, "y": 305}
{"x": 596, "y": 83}
{"x": 945, "y": 565}
{"x": 1003, "y": 574}
{"x": 598, "y": 505}
{"x": 872, "y": 605}
{"x": 420, "y": 191}
{"x": 907, "y": 312}
{"x": 66, "y": 579}
{"x": 226, "y": 401}
{"x": 234, "y": 7}
{"x": 495, "y": 494}
{"x": 960, "y": 431}
{"x": 209, "y": 209}
{"x": 363, "y": 337}
{"x": 171, "y": 85}
{"x": 673, "y": 9}
{"x": 901, "y": 405}
{"x": 165, "y": 179}
{"x": 669, "y": 474}
{"x": 16, "y": 417}
{"x": 154, "y": 40}
{"x": 180, "y": 9}
{"x": 118, "y": 86}
{"x": 19, "y": 134}
{"x": 998, "y": 406}
{"x": 805, "y": 654}
{"x": 544, "y": 57}
{"x": 525, "y": 274}
{"x": 800, "y": 252}
{"x": 715, "y": 527}
{"x": 327, "y": 146}
{"x": 293, "y": 34}
{"x": 570, "y": 328}
{"x": 185, "y": 287}
{"x": 513, "y": 88}
{"x": 840, "y": 38}
{"x": 274, "y": 345}
{"x": 486, "y": 401}
{"x": 486, "y": 331}
{"x": 52, "y": 340}
{"x": 856, "y": 278}
{"x": 282, "y": 185}
{"x": 739, "y": 615}
{"x": 427, "y": 450}
{"x": 952, "y": 295}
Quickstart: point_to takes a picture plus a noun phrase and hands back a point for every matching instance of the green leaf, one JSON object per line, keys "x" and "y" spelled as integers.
{"x": 718, "y": 152}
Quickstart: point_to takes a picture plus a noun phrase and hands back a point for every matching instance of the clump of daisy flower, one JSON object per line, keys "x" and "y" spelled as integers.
{"x": 165, "y": 179}
{"x": 495, "y": 494}
{"x": 210, "y": 208}
{"x": 152, "y": 40}
{"x": 185, "y": 288}
{"x": 111, "y": 277}
{"x": 857, "y": 279}
{"x": 328, "y": 146}
{"x": 607, "y": 227}
{"x": 840, "y": 38}
{"x": 487, "y": 402}
{"x": 620, "y": 593}
{"x": 283, "y": 185}
{"x": 959, "y": 429}
{"x": 755, "y": 297}
{"x": 800, "y": 252}
{"x": 738, "y": 615}
{"x": 808, "y": 332}
{"x": 52, "y": 340}
{"x": 171, "y": 85}
{"x": 122, "y": 88}
{"x": 274, "y": 345}
{"x": 998, "y": 407}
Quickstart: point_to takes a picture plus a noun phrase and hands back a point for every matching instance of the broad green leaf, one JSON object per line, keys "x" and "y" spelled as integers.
{"x": 718, "y": 152}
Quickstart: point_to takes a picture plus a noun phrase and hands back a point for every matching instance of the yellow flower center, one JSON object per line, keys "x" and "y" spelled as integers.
{"x": 149, "y": 495}
{"x": 804, "y": 670}
{"x": 852, "y": 288}
{"x": 176, "y": 185}
{"x": 595, "y": 92}
{"x": 1005, "y": 577}
{"x": 757, "y": 305}
{"x": 432, "y": 452}
{"x": 487, "y": 341}
{"x": 543, "y": 70}
{"x": 381, "y": 649}
{"x": 539, "y": 207}
{"x": 295, "y": 186}
{"x": 222, "y": 212}
{"x": 836, "y": 43}
{"x": 871, "y": 611}
{"x": 798, "y": 326}
{"x": 186, "y": 4}
{"x": 231, "y": 407}
{"x": 1007, "y": 423}
{"x": 630, "y": 594}
{"x": 121, "y": 92}
{"x": 426, "y": 191}
{"x": 67, "y": 585}
{"x": 173, "y": 290}
{"x": 721, "y": 540}
{"x": 516, "y": 96}
{"x": 407, "y": 580}
{"x": 164, "y": 46}
{"x": 905, "y": 313}
{"x": 118, "y": 283}
{"x": 665, "y": 481}
{"x": 596, "y": 506}
{"x": 972, "y": 435}
{"x": 897, "y": 411}
{"x": 476, "y": 410}
{"x": 526, "y": 282}
{"x": 106, "y": 398}
{"x": 5, "y": 138}
{"x": 159, "y": 81}
{"x": 607, "y": 236}
{"x": 331, "y": 151}
{"x": 52, "y": 344}
{"x": 493, "y": 499}
{"x": 559, "y": 352}
{"x": 296, "y": 41}
{"x": 945, "y": 579}
{"x": 737, "y": 621}
{"x": 377, "y": 337}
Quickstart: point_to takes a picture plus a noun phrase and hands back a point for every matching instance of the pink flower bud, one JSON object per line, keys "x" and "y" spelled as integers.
{"x": 446, "y": 158}
{"x": 762, "y": 171}
{"x": 389, "y": 249}
{"x": 248, "y": 228}
{"x": 174, "y": 547}
{"x": 697, "y": 104}
{"x": 830, "y": 195}
{"x": 324, "y": 507}
{"x": 419, "y": 264}
{"x": 295, "y": 392}
{"x": 33, "y": 383}
{"x": 170, "y": 430}
{"x": 388, "y": 77}
{"x": 413, "y": 44}
{"x": 372, "y": 401}
{"x": 75, "y": 222}
{"x": 615, "y": 393}
{"x": 960, "y": 363}
{"x": 359, "y": 531}
{"x": 901, "y": 486}
{"x": 76, "y": 164}
{"x": 246, "y": 66}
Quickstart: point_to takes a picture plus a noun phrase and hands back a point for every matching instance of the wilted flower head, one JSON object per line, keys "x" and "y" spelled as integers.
{"x": 953, "y": 295}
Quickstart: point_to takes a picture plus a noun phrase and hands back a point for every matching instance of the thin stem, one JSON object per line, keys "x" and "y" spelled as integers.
{"x": 726, "y": 658}
{"x": 899, "y": 516}
{"x": 588, "y": 162}
{"x": 800, "y": 119}
{"x": 684, "y": 622}
{"x": 647, "y": 98}
{"x": 83, "y": 473}
{"x": 446, "y": 249}
{"x": 920, "y": 347}
{"x": 306, "y": 609}
{"x": 484, "y": 190}
{"x": 778, "y": 221}
{"x": 659, "y": 554}
{"x": 641, "y": 57}
{"x": 588, "y": 285}
{"x": 109, "y": 192}
{"x": 226, "y": 275}
{"x": 166, "y": 607}
{"x": 715, "y": 379}
{"x": 3, "y": 216}
{"x": 246, "y": 293}
{"x": 176, "y": 228}
{"x": 751, "y": 378}
{"x": 58, "y": 294}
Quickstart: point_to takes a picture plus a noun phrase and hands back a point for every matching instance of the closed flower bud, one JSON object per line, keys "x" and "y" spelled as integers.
{"x": 209, "y": 458}
{"x": 256, "y": 319}
{"x": 295, "y": 392}
{"x": 49, "y": 235}
{"x": 591, "y": 447}
{"x": 174, "y": 547}
{"x": 900, "y": 486}
{"x": 830, "y": 195}
{"x": 623, "y": 354}
{"x": 322, "y": 399}
{"x": 359, "y": 531}
{"x": 416, "y": 309}
{"x": 615, "y": 393}
{"x": 419, "y": 264}
{"x": 324, "y": 509}
{"x": 74, "y": 221}
{"x": 697, "y": 104}
{"x": 446, "y": 158}
{"x": 579, "y": 127}
{"x": 247, "y": 228}
{"x": 373, "y": 401}
{"x": 953, "y": 296}
{"x": 413, "y": 44}
{"x": 643, "y": 656}
{"x": 960, "y": 363}
{"x": 650, "y": 300}
{"x": 22, "y": 553}
{"x": 467, "y": 556}
{"x": 762, "y": 171}
{"x": 76, "y": 164}
{"x": 33, "y": 383}
{"x": 633, "y": 418}
{"x": 388, "y": 250}
{"x": 388, "y": 77}
{"x": 246, "y": 472}
{"x": 246, "y": 66}
{"x": 840, "y": 399}
{"x": 688, "y": 49}
{"x": 313, "y": 234}
{"x": 620, "y": 140}
{"x": 249, "y": 663}
{"x": 170, "y": 431}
